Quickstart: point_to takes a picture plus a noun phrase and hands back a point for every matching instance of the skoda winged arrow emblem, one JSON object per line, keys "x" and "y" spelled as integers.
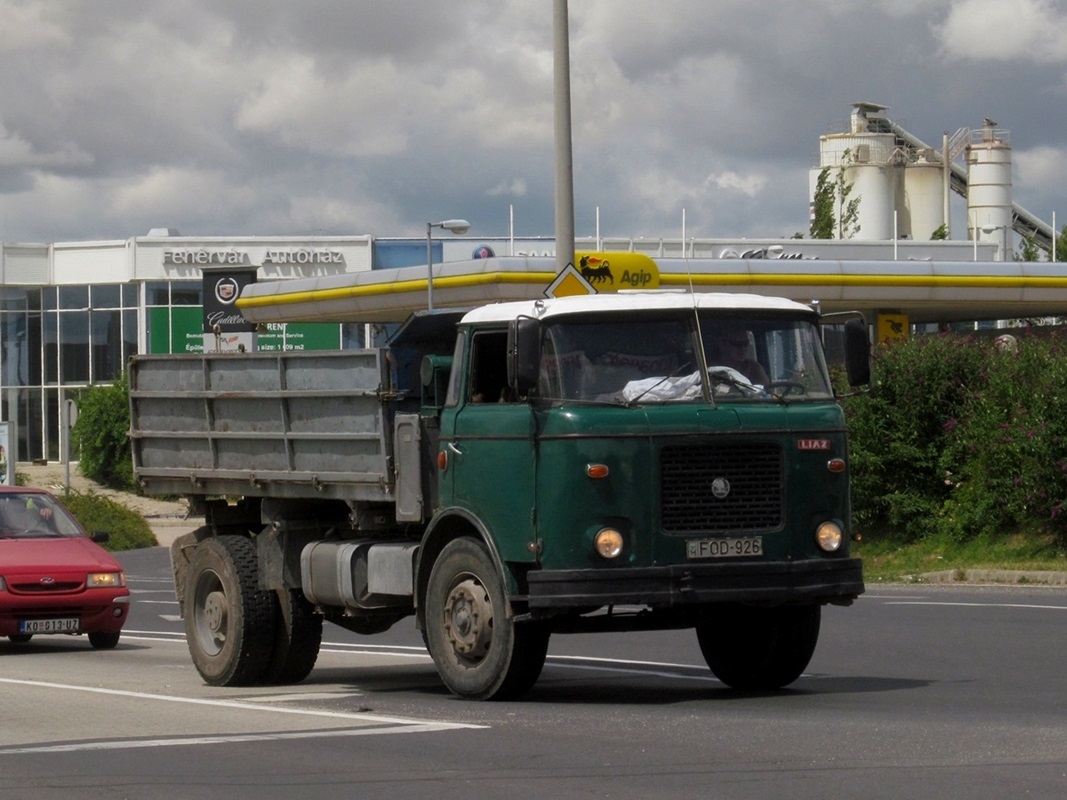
{"x": 720, "y": 487}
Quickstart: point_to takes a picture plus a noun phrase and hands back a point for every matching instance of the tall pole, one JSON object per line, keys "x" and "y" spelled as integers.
{"x": 564, "y": 162}
{"x": 429, "y": 267}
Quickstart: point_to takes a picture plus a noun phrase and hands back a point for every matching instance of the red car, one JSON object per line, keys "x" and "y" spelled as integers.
{"x": 54, "y": 577}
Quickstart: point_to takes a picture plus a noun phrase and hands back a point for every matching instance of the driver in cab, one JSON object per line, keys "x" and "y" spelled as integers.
{"x": 732, "y": 347}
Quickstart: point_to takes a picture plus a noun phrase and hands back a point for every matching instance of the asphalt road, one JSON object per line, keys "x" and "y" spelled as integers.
{"x": 913, "y": 692}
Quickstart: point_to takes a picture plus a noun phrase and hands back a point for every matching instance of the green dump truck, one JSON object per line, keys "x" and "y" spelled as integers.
{"x": 625, "y": 462}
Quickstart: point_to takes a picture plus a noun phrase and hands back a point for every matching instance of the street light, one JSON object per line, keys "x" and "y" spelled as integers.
{"x": 458, "y": 226}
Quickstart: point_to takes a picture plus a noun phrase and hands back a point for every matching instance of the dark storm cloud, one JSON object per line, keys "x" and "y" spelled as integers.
{"x": 376, "y": 117}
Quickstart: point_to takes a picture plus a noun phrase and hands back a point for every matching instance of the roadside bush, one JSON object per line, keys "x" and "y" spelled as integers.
{"x": 101, "y": 435}
{"x": 1009, "y": 449}
{"x": 900, "y": 430}
{"x": 128, "y": 529}
{"x": 960, "y": 438}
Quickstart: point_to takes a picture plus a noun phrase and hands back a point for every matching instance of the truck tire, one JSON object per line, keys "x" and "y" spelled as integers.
{"x": 297, "y": 636}
{"x": 479, "y": 650}
{"x": 759, "y": 649}
{"x": 229, "y": 622}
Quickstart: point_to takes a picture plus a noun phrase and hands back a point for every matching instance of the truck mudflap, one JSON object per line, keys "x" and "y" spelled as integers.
{"x": 837, "y": 581}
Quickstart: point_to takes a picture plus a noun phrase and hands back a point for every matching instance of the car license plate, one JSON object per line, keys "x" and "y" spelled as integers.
{"x": 733, "y": 547}
{"x": 68, "y": 625}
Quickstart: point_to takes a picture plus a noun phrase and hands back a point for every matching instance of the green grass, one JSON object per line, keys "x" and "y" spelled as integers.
{"x": 886, "y": 560}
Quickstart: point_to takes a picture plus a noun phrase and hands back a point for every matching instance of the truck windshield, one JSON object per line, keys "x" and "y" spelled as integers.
{"x": 638, "y": 360}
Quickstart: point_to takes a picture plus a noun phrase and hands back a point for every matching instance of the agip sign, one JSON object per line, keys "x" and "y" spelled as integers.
{"x": 612, "y": 271}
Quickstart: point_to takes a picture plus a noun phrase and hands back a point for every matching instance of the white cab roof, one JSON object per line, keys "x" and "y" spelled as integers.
{"x": 632, "y": 301}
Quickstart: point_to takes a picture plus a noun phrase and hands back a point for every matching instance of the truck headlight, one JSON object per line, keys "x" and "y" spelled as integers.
{"x": 829, "y": 537}
{"x": 608, "y": 543}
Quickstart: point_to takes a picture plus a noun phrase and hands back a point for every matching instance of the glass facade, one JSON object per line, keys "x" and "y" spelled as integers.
{"x": 55, "y": 340}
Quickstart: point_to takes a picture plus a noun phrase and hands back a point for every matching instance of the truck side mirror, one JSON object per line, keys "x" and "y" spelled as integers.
{"x": 857, "y": 353}
{"x": 524, "y": 355}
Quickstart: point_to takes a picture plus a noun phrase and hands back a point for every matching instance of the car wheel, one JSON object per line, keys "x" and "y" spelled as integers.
{"x": 104, "y": 641}
{"x": 20, "y": 638}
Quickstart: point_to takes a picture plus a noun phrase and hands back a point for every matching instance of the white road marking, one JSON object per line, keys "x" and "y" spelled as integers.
{"x": 373, "y": 724}
{"x": 973, "y": 605}
{"x": 130, "y": 744}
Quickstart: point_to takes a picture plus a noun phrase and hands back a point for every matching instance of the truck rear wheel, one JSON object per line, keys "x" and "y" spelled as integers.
{"x": 297, "y": 636}
{"x": 229, "y": 622}
{"x": 479, "y": 650}
{"x": 759, "y": 649}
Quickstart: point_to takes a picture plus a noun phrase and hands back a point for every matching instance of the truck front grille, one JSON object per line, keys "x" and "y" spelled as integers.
{"x": 752, "y": 472}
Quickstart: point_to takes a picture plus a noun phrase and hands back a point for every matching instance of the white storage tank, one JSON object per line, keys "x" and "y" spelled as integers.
{"x": 923, "y": 209}
{"x": 871, "y": 165}
{"x": 989, "y": 203}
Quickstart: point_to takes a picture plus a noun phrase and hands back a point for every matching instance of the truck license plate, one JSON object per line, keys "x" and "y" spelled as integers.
{"x": 69, "y": 625}
{"x": 733, "y": 547}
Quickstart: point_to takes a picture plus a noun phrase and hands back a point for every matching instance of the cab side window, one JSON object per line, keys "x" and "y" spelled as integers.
{"x": 489, "y": 367}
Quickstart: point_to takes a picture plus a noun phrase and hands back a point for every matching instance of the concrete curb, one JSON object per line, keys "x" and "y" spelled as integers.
{"x": 1000, "y": 576}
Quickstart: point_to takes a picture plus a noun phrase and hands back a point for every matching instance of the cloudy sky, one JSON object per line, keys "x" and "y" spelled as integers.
{"x": 259, "y": 117}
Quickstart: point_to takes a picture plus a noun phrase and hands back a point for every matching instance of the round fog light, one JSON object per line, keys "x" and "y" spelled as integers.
{"x": 608, "y": 543}
{"x": 829, "y": 536}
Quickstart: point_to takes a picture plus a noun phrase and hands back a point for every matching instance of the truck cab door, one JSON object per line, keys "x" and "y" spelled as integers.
{"x": 487, "y": 442}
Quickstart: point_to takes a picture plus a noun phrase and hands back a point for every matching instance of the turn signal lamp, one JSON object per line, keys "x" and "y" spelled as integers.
{"x": 596, "y": 470}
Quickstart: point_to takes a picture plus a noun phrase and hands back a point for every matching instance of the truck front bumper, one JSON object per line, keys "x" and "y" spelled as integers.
{"x": 825, "y": 581}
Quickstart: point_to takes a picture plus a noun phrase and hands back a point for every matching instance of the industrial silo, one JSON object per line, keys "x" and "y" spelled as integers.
{"x": 923, "y": 209}
{"x": 867, "y": 159}
{"x": 989, "y": 204}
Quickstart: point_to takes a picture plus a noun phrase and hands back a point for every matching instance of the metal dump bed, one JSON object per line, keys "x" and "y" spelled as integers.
{"x": 287, "y": 425}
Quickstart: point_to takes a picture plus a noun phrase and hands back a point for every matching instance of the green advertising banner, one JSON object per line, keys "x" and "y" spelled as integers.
{"x": 176, "y": 330}
{"x": 180, "y": 330}
{"x": 299, "y": 336}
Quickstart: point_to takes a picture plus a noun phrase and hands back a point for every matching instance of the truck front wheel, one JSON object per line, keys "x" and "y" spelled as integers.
{"x": 479, "y": 650}
{"x": 229, "y": 621}
{"x": 759, "y": 649}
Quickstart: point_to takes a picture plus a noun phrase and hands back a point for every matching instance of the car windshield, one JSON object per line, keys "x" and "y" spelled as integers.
{"x": 725, "y": 358}
{"x": 31, "y": 515}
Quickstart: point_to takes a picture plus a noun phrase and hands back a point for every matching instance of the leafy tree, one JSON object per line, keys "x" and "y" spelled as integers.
{"x": 834, "y": 213}
{"x": 822, "y": 214}
{"x": 1061, "y": 246}
{"x": 101, "y": 435}
{"x": 1029, "y": 250}
{"x": 847, "y": 210}
{"x": 941, "y": 234}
